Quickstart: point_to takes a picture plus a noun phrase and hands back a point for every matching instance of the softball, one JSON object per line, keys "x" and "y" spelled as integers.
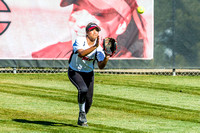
{"x": 140, "y": 9}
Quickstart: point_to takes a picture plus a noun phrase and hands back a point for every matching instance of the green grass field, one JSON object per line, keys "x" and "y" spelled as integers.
{"x": 122, "y": 103}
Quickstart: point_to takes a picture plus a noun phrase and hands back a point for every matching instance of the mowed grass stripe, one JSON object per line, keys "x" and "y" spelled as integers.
{"x": 42, "y": 92}
{"x": 134, "y": 82}
{"x": 42, "y": 121}
{"x": 49, "y": 123}
{"x": 145, "y": 108}
{"x": 103, "y": 101}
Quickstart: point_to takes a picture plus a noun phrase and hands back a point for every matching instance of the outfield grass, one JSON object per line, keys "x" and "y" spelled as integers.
{"x": 122, "y": 103}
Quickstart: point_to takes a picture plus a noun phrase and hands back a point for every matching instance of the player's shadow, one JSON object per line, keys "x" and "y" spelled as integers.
{"x": 45, "y": 123}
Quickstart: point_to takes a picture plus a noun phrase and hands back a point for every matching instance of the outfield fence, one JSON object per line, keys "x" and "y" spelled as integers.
{"x": 172, "y": 72}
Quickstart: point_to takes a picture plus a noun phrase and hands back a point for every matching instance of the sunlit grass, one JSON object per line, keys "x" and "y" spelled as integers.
{"x": 122, "y": 103}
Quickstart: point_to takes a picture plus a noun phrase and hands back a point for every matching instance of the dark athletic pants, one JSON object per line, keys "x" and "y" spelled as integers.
{"x": 84, "y": 82}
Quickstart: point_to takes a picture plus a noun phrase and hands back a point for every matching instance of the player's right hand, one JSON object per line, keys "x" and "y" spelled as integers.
{"x": 97, "y": 42}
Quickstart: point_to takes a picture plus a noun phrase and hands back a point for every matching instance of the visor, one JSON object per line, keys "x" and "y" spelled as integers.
{"x": 91, "y": 26}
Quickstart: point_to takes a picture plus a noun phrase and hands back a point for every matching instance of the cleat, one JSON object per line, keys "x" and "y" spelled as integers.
{"x": 82, "y": 121}
{"x": 82, "y": 124}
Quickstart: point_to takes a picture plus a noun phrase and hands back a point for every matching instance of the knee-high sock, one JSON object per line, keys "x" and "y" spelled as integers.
{"x": 81, "y": 107}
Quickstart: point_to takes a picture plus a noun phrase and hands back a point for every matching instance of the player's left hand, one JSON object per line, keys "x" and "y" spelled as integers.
{"x": 109, "y": 46}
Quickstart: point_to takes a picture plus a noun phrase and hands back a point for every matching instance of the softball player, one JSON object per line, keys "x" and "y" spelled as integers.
{"x": 81, "y": 64}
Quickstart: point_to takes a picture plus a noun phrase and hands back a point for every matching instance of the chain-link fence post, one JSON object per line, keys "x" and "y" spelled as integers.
{"x": 14, "y": 70}
{"x": 174, "y": 42}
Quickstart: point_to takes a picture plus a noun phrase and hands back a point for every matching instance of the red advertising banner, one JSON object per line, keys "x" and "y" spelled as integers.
{"x": 46, "y": 29}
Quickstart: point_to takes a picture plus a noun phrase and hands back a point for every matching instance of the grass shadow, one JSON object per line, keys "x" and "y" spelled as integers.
{"x": 45, "y": 123}
{"x": 92, "y": 127}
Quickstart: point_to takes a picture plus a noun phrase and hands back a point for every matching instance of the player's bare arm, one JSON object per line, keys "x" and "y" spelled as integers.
{"x": 102, "y": 64}
{"x": 85, "y": 52}
{"x": 82, "y": 52}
